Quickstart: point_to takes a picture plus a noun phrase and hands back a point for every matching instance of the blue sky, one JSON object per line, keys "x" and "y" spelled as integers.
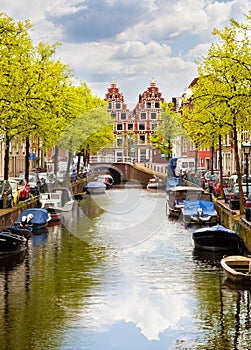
{"x": 130, "y": 41}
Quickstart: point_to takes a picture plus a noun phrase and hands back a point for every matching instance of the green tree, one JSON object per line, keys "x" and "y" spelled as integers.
{"x": 221, "y": 98}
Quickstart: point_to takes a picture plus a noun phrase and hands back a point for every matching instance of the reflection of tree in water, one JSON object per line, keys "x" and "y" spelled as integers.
{"x": 41, "y": 292}
{"x": 223, "y": 312}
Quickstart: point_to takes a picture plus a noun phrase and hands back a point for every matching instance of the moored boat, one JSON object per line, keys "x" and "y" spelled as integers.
{"x": 18, "y": 229}
{"x": 200, "y": 212}
{"x": 11, "y": 243}
{"x": 95, "y": 187}
{"x": 178, "y": 194}
{"x": 39, "y": 218}
{"x": 237, "y": 268}
{"x": 217, "y": 238}
{"x": 155, "y": 183}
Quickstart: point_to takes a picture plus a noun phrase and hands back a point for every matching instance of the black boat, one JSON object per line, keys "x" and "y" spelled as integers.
{"x": 217, "y": 238}
{"x": 11, "y": 243}
{"x": 20, "y": 230}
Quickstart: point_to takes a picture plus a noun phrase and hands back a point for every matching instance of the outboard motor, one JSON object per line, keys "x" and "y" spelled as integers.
{"x": 29, "y": 218}
{"x": 200, "y": 212}
{"x": 24, "y": 220}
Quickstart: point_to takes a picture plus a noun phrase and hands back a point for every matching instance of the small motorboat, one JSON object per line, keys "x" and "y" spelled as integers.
{"x": 11, "y": 243}
{"x": 95, "y": 187}
{"x": 155, "y": 183}
{"x": 37, "y": 219}
{"x": 200, "y": 212}
{"x": 178, "y": 194}
{"x": 57, "y": 202}
{"x": 106, "y": 179}
{"x": 237, "y": 268}
{"x": 217, "y": 238}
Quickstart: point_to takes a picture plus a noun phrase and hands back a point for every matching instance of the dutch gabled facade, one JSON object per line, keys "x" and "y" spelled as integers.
{"x": 133, "y": 130}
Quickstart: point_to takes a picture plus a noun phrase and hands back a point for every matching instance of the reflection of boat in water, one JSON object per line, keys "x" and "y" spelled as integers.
{"x": 237, "y": 268}
{"x": 7, "y": 262}
{"x": 208, "y": 257}
{"x": 11, "y": 243}
{"x": 217, "y": 238}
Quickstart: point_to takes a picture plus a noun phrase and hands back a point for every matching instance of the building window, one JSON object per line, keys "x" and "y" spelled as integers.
{"x": 109, "y": 105}
{"x": 117, "y": 105}
{"x": 119, "y": 127}
{"x": 142, "y": 155}
{"x": 141, "y": 126}
{"x": 123, "y": 116}
{"x": 119, "y": 142}
{"x": 119, "y": 157}
{"x": 142, "y": 138}
{"x": 153, "y": 115}
{"x": 113, "y": 115}
{"x": 148, "y": 105}
{"x": 142, "y": 115}
{"x": 154, "y": 126}
{"x": 130, "y": 127}
{"x": 157, "y": 105}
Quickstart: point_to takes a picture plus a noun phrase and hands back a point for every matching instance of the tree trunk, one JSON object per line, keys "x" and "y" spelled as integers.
{"x": 56, "y": 160}
{"x": 6, "y": 157}
{"x": 27, "y": 159}
{"x": 238, "y": 169}
{"x": 221, "y": 167}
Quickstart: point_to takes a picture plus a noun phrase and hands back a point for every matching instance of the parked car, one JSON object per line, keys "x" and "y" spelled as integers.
{"x": 23, "y": 188}
{"x": 234, "y": 201}
{"x": 15, "y": 191}
{"x": 34, "y": 183}
{"x": 6, "y": 194}
{"x": 217, "y": 185}
{"x": 248, "y": 201}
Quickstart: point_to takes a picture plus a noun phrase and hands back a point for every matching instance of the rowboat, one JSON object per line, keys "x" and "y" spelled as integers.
{"x": 237, "y": 268}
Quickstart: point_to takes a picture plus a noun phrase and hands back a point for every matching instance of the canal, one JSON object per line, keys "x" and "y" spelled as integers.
{"x": 119, "y": 275}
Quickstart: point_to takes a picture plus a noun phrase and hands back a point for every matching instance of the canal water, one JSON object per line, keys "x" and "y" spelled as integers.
{"x": 118, "y": 274}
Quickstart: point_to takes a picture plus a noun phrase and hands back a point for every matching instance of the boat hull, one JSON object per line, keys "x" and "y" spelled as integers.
{"x": 237, "y": 268}
{"x": 11, "y": 243}
{"x": 217, "y": 238}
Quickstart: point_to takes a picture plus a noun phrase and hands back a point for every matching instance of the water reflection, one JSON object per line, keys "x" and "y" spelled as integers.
{"x": 120, "y": 277}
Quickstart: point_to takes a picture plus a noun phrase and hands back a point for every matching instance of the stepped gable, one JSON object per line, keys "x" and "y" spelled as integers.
{"x": 149, "y": 101}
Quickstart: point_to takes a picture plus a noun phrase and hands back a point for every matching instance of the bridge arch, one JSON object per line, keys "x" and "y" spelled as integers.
{"x": 111, "y": 169}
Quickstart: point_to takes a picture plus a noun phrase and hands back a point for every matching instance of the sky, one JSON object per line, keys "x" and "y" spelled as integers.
{"x": 129, "y": 41}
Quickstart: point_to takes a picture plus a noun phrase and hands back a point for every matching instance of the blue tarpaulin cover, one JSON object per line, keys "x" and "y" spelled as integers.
{"x": 39, "y": 215}
{"x": 216, "y": 229}
{"x": 172, "y": 182}
{"x": 191, "y": 208}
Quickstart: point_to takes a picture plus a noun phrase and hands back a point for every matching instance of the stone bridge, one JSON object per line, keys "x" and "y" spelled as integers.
{"x": 123, "y": 172}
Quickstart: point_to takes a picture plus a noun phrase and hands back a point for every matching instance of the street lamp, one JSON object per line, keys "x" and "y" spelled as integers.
{"x": 246, "y": 149}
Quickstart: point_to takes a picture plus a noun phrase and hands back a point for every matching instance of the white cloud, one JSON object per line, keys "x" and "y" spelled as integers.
{"x": 160, "y": 39}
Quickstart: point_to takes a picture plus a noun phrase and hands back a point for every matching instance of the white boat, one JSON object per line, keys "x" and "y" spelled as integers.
{"x": 155, "y": 183}
{"x": 95, "y": 187}
{"x": 57, "y": 202}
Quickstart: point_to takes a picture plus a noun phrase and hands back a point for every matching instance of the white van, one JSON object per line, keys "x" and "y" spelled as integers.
{"x": 183, "y": 164}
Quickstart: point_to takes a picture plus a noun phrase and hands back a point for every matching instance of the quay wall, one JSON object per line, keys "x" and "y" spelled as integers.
{"x": 236, "y": 222}
{"x": 10, "y": 215}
